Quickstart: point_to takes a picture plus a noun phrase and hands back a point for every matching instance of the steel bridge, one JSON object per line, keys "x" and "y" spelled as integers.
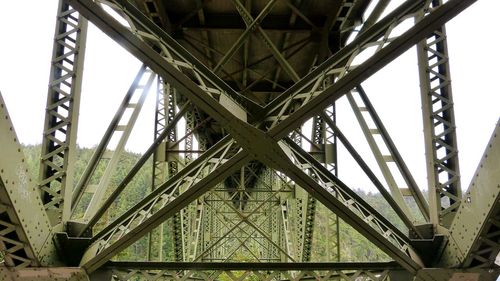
{"x": 237, "y": 191}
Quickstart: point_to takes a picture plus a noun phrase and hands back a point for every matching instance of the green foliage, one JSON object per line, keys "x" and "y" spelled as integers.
{"x": 354, "y": 247}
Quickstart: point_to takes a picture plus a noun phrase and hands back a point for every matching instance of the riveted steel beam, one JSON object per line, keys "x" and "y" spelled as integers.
{"x": 253, "y": 265}
{"x": 44, "y": 274}
{"x": 25, "y": 228}
{"x": 474, "y": 234}
{"x": 341, "y": 200}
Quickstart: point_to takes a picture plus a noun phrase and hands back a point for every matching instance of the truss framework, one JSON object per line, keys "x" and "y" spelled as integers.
{"x": 277, "y": 128}
{"x": 259, "y": 218}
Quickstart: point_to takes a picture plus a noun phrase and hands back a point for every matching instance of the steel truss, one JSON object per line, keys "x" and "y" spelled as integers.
{"x": 258, "y": 271}
{"x": 443, "y": 172}
{"x": 61, "y": 119}
{"x": 401, "y": 249}
{"x": 251, "y": 192}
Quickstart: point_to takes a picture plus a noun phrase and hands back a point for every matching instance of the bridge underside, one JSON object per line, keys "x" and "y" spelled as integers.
{"x": 244, "y": 162}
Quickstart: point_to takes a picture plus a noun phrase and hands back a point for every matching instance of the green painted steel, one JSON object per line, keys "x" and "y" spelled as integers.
{"x": 25, "y": 229}
{"x": 443, "y": 171}
{"x": 238, "y": 188}
{"x": 61, "y": 119}
{"x": 473, "y": 240}
{"x": 44, "y": 274}
{"x": 122, "y": 125}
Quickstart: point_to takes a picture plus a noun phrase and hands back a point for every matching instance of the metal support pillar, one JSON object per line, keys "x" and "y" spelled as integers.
{"x": 163, "y": 166}
{"x": 61, "y": 116}
{"x": 324, "y": 142}
{"x": 441, "y": 150}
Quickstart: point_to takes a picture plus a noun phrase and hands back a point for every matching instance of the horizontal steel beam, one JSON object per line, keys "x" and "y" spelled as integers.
{"x": 44, "y": 274}
{"x": 274, "y": 22}
{"x": 283, "y": 275}
{"x": 253, "y": 265}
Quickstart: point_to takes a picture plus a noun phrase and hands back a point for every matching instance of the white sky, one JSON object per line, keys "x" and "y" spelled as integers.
{"x": 27, "y": 29}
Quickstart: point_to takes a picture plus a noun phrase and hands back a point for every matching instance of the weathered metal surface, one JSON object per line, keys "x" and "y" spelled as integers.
{"x": 242, "y": 131}
{"x": 474, "y": 235}
{"x": 443, "y": 274}
{"x": 25, "y": 229}
{"x": 43, "y": 274}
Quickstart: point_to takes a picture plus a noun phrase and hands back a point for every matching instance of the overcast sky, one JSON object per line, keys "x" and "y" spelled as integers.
{"x": 27, "y": 28}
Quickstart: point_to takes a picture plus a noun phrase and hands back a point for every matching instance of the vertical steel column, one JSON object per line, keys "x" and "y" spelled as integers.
{"x": 310, "y": 209}
{"x": 306, "y": 211}
{"x": 443, "y": 173}
{"x": 166, "y": 103}
{"x": 332, "y": 165}
{"x": 324, "y": 142}
{"x": 61, "y": 117}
